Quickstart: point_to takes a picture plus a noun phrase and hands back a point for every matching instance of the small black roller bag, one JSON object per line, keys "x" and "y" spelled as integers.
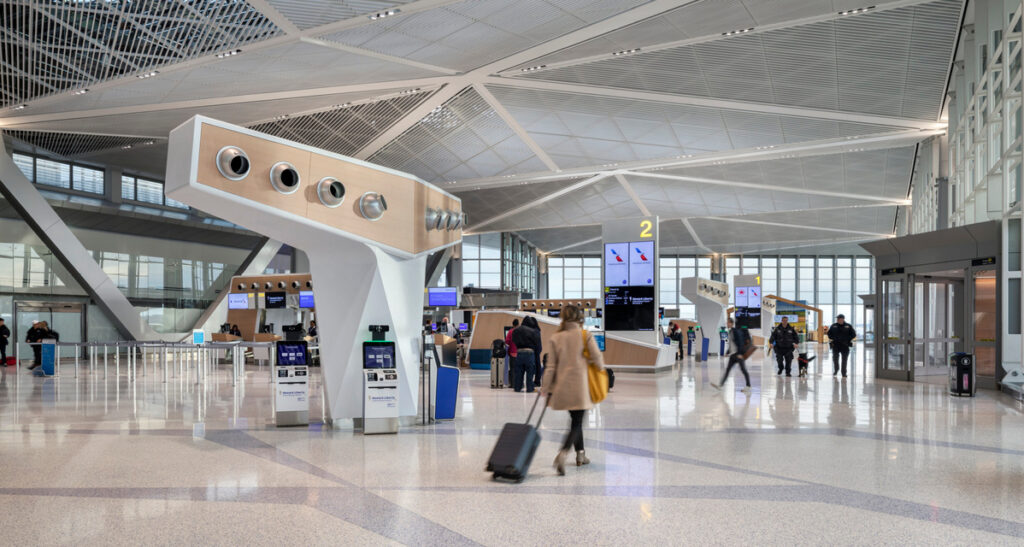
{"x": 516, "y": 446}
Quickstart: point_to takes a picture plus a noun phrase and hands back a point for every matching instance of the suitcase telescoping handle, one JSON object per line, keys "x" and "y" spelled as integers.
{"x": 534, "y": 407}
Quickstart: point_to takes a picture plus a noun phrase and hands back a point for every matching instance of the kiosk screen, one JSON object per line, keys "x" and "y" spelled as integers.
{"x": 291, "y": 354}
{"x": 378, "y": 354}
{"x": 275, "y": 300}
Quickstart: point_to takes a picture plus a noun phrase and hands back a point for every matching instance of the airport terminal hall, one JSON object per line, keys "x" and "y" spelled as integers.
{"x": 511, "y": 272}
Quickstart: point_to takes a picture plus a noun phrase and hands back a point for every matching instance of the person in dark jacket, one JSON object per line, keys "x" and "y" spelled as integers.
{"x": 34, "y": 337}
{"x": 527, "y": 341}
{"x": 5, "y": 333}
{"x": 739, "y": 340}
{"x": 538, "y": 363}
{"x": 312, "y": 329}
{"x": 840, "y": 336}
{"x": 784, "y": 340}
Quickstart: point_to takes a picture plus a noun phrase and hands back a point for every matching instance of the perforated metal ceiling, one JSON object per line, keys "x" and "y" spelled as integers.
{"x": 70, "y": 145}
{"x": 307, "y": 14}
{"x": 50, "y": 47}
{"x": 888, "y": 62}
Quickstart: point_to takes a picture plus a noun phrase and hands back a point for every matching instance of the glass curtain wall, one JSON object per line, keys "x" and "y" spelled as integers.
{"x": 831, "y": 283}
{"x": 60, "y": 174}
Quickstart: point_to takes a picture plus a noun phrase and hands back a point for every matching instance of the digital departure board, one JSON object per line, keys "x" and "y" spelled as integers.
{"x": 629, "y": 308}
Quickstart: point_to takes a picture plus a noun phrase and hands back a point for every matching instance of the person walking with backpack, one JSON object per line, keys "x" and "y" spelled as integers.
{"x": 739, "y": 339}
{"x": 573, "y": 350}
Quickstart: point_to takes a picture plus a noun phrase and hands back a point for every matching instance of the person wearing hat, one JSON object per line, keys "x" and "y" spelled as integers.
{"x": 35, "y": 337}
{"x": 840, "y": 336}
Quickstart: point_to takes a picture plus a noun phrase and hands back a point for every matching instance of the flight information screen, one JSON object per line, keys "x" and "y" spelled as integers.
{"x": 629, "y": 308}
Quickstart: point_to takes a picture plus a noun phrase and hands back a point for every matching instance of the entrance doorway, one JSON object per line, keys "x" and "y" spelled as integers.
{"x": 67, "y": 318}
{"x": 938, "y": 301}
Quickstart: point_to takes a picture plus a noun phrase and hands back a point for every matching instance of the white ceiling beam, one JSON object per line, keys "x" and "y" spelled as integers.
{"x": 706, "y": 102}
{"x": 514, "y": 125}
{"x": 474, "y": 228}
{"x": 382, "y": 56}
{"x": 412, "y": 118}
{"x": 364, "y": 20}
{"x": 759, "y": 29}
{"x": 14, "y": 121}
{"x": 876, "y": 141}
{"x": 632, "y": 194}
{"x": 797, "y": 245}
{"x": 693, "y": 234}
{"x": 623, "y": 19}
{"x": 798, "y": 226}
{"x": 577, "y": 244}
{"x": 766, "y": 188}
{"x": 276, "y": 17}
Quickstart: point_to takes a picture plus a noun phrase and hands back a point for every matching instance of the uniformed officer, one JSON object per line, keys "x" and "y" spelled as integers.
{"x": 784, "y": 339}
{"x": 841, "y": 336}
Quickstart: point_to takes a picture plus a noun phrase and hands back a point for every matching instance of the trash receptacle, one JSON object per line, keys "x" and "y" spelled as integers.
{"x": 961, "y": 374}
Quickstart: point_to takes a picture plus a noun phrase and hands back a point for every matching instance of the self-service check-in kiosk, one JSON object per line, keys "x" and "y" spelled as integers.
{"x": 291, "y": 398}
{"x": 380, "y": 385}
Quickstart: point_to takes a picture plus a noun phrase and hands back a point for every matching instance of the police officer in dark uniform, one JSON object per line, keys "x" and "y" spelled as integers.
{"x": 840, "y": 335}
{"x": 784, "y": 339}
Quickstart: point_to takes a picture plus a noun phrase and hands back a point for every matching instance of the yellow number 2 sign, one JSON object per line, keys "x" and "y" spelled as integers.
{"x": 645, "y": 229}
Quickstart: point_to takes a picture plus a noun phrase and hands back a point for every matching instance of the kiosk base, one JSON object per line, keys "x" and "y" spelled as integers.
{"x": 289, "y": 418}
{"x": 377, "y": 426}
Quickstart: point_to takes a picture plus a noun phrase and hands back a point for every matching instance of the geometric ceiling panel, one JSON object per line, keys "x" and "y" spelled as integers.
{"x": 50, "y": 47}
{"x": 593, "y": 204}
{"x": 692, "y": 21}
{"x": 551, "y": 239}
{"x": 344, "y": 129}
{"x": 888, "y": 62}
{"x": 462, "y": 139}
{"x": 472, "y": 33}
{"x": 480, "y": 205}
{"x": 880, "y": 173}
{"x": 306, "y": 14}
{"x": 70, "y": 145}
{"x": 581, "y": 130}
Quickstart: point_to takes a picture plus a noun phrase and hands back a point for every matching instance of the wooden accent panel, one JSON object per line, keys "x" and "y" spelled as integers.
{"x": 260, "y": 280}
{"x": 247, "y": 321}
{"x": 618, "y": 352}
{"x": 549, "y": 304}
{"x": 223, "y": 337}
{"x": 491, "y": 326}
{"x": 402, "y": 226}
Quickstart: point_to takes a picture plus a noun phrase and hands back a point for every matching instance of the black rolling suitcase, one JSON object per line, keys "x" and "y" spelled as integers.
{"x": 515, "y": 447}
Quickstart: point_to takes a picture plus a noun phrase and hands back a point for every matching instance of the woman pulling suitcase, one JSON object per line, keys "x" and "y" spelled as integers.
{"x": 567, "y": 386}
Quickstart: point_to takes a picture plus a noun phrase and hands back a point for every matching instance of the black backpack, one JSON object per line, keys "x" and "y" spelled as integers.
{"x": 498, "y": 349}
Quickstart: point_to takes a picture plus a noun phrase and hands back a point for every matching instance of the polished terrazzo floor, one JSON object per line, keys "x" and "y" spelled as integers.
{"x": 97, "y": 460}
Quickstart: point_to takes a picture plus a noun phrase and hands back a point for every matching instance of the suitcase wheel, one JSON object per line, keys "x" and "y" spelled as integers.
{"x": 489, "y": 468}
{"x": 519, "y": 479}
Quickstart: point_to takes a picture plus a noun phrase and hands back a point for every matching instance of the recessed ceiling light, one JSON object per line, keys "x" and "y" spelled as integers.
{"x": 81, "y": 91}
{"x": 532, "y": 68}
{"x": 410, "y": 91}
{"x": 383, "y": 14}
{"x": 626, "y": 52}
{"x": 149, "y": 143}
{"x": 231, "y": 53}
{"x": 19, "y": 107}
{"x": 856, "y": 11}
{"x": 149, "y": 74}
{"x": 739, "y": 31}
{"x": 126, "y": 147}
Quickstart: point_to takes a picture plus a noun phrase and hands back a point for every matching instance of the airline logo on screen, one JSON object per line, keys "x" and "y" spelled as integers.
{"x": 642, "y": 255}
{"x": 616, "y": 255}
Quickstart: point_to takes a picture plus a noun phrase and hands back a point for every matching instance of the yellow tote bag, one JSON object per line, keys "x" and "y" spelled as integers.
{"x": 596, "y": 378}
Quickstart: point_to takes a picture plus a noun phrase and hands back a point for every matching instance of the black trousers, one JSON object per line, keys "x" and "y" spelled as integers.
{"x": 787, "y": 357}
{"x": 37, "y": 355}
{"x": 838, "y": 350}
{"x": 734, "y": 359}
{"x": 575, "y": 435}
{"x": 3, "y": 355}
{"x": 523, "y": 368}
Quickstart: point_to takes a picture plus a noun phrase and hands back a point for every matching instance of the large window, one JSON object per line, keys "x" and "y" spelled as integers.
{"x": 481, "y": 261}
{"x": 59, "y": 174}
{"x": 147, "y": 191}
{"x": 574, "y": 277}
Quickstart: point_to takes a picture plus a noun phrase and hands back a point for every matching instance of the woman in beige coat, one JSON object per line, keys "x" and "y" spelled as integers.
{"x": 566, "y": 380}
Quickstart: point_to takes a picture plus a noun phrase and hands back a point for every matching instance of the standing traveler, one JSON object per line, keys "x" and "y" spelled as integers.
{"x": 739, "y": 339}
{"x": 312, "y": 332}
{"x": 446, "y": 328}
{"x": 5, "y": 333}
{"x": 527, "y": 341}
{"x": 784, "y": 339}
{"x": 510, "y": 356}
{"x": 34, "y": 337}
{"x": 538, "y": 363}
{"x": 568, "y": 384}
{"x": 840, "y": 336}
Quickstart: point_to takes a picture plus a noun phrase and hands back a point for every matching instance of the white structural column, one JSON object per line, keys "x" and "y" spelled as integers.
{"x": 48, "y": 226}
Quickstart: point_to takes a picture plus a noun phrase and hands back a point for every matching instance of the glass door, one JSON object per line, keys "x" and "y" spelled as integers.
{"x": 897, "y": 351}
{"x": 66, "y": 318}
{"x": 935, "y": 335}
